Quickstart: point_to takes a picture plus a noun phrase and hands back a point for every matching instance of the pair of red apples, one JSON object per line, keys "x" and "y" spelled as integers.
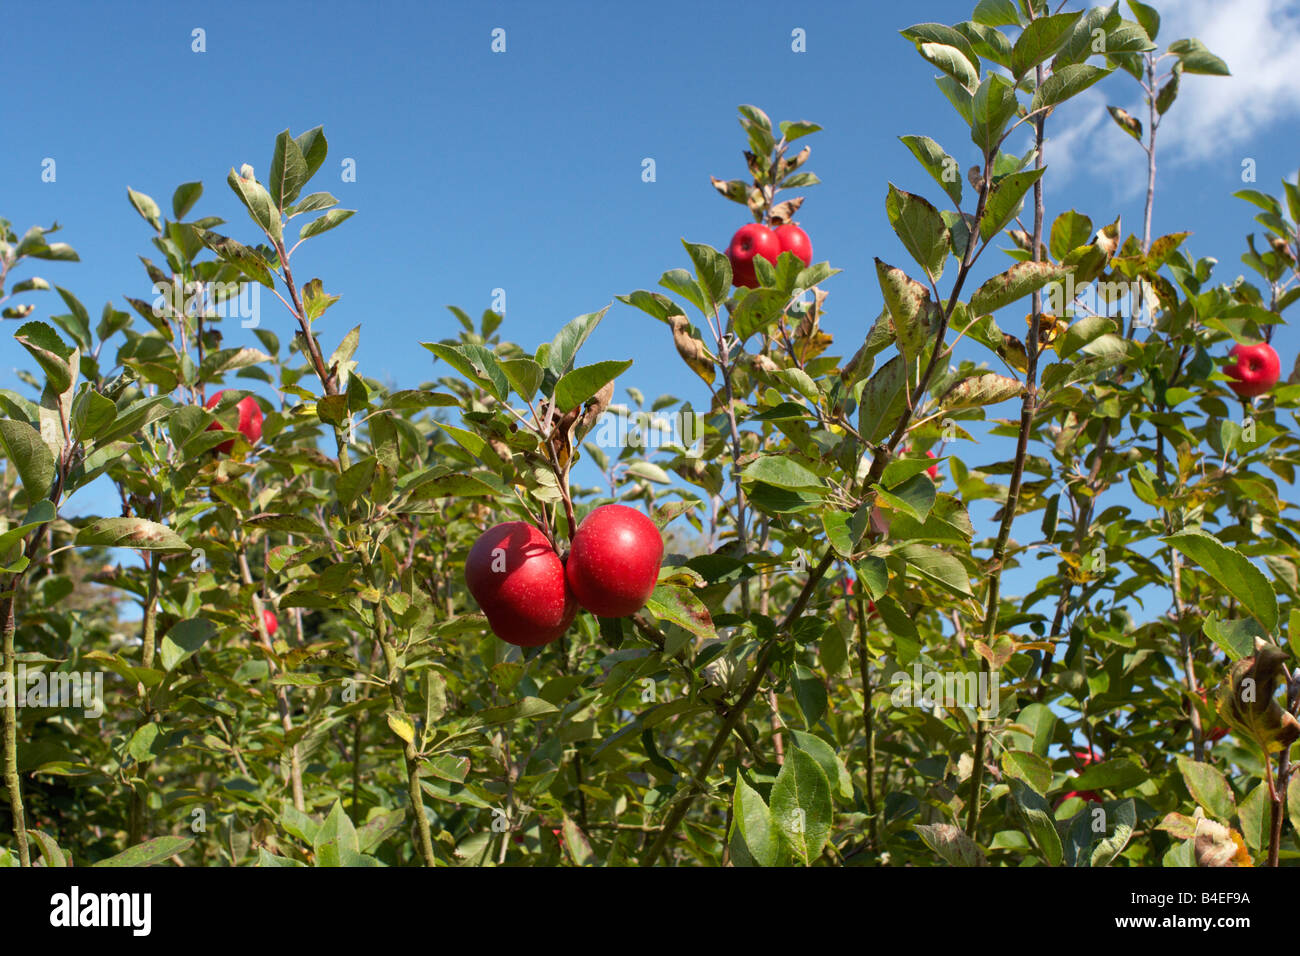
{"x": 757, "y": 239}
{"x": 531, "y": 594}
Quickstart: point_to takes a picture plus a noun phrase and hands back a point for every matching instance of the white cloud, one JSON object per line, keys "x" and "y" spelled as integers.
{"x": 1218, "y": 116}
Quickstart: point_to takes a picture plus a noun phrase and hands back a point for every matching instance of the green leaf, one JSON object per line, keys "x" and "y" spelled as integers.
{"x": 952, "y": 62}
{"x": 993, "y": 104}
{"x": 183, "y": 639}
{"x": 576, "y": 842}
{"x": 1070, "y": 230}
{"x": 1147, "y": 17}
{"x": 1234, "y": 638}
{"x": 838, "y": 775}
{"x": 883, "y": 400}
{"x": 258, "y": 203}
{"x": 939, "y": 164}
{"x": 138, "y": 533}
{"x": 325, "y": 223}
{"x": 288, "y": 171}
{"x": 1195, "y": 58}
{"x": 337, "y": 830}
{"x": 50, "y": 851}
{"x": 520, "y": 710}
{"x": 1231, "y": 570}
{"x": 713, "y": 269}
{"x": 1065, "y": 83}
{"x": 979, "y": 390}
{"x": 996, "y": 13}
{"x": 50, "y": 352}
{"x": 146, "y": 207}
{"x": 476, "y": 363}
{"x": 951, "y": 843}
{"x": 183, "y": 200}
{"x": 247, "y": 260}
{"x": 938, "y": 566}
{"x": 680, "y": 606}
{"x": 564, "y": 347}
{"x": 31, "y": 457}
{"x": 752, "y": 823}
{"x": 1039, "y": 40}
{"x": 1005, "y": 201}
{"x": 1114, "y": 775}
{"x": 1039, "y": 825}
{"x": 150, "y": 852}
{"x": 1021, "y": 280}
{"x": 781, "y": 472}
{"x": 908, "y": 304}
{"x": 524, "y": 375}
{"x": 577, "y": 386}
{"x": 801, "y": 806}
{"x": 1108, "y": 849}
{"x": 1029, "y": 767}
{"x": 1253, "y": 814}
{"x": 356, "y": 481}
{"x": 1208, "y": 787}
{"x": 810, "y": 695}
{"x": 313, "y": 147}
{"x": 914, "y": 497}
{"x": 921, "y": 229}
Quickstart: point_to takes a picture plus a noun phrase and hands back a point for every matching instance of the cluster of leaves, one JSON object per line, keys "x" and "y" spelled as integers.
{"x": 763, "y": 708}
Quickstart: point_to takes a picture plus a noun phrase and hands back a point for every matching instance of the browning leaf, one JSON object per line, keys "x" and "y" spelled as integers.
{"x": 1246, "y": 701}
{"x": 691, "y": 349}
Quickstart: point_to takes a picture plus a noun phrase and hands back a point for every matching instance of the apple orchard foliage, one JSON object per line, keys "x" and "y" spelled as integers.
{"x": 748, "y": 714}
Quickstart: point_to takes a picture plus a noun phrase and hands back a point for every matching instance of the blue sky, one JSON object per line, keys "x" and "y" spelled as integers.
{"x": 522, "y": 170}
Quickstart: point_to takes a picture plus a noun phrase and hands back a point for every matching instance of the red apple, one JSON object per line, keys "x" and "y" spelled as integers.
{"x": 270, "y": 621}
{"x": 614, "y": 562}
{"x": 1256, "y": 369}
{"x": 752, "y": 240}
{"x": 250, "y": 421}
{"x": 518, "y": 581}
{"x": 795, "y": 240}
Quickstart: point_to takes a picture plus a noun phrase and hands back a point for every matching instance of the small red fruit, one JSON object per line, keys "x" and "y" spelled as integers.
{"x": 795, "y": 240}
{"x": 270, "y": 621}
{"x": 518, "y": 581}
{"x": 1256, "y": 369}
{"x": 250, "y": 421}
{"x": 614, "y": 563}
{"x": 752, "y": 240}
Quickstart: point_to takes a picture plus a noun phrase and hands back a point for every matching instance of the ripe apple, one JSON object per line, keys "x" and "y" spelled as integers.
{"x": 518, "y": 581}
{"x": 751, "y": 240}
{"x": 1256, "y": 369}
{"x": 250, "y": 421}
{"x": 614, "y": 562}
{"x": 795, "y": 240}
{"x": 271, "y": 622}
